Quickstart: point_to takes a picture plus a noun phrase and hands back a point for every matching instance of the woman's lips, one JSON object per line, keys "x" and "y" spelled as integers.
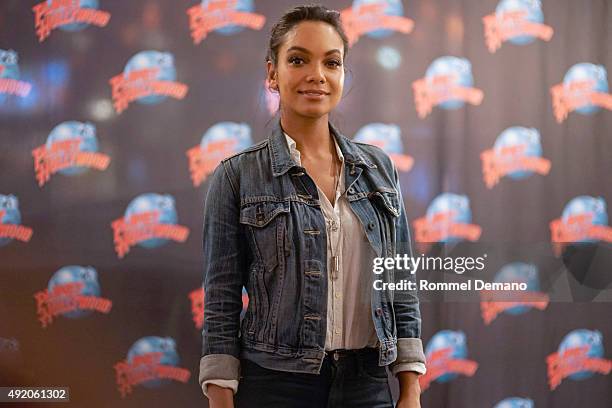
{"x": 313, "y": 95}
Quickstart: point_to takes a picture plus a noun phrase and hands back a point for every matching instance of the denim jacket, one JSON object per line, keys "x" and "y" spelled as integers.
{"x": 264, "y": 230}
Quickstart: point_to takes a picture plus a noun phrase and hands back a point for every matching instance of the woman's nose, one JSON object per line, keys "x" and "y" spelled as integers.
{"x": 316, "y": 74}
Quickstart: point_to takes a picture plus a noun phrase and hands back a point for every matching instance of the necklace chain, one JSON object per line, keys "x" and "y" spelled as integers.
{"x": 333, "y": 227}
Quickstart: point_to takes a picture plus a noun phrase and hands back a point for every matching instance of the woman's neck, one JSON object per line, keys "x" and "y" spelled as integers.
{"x": 312, "y": 136}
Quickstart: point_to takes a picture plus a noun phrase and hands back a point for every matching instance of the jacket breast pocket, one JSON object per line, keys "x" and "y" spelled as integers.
{"x": 387, "y": 200}
{"x": 266, "y": 222}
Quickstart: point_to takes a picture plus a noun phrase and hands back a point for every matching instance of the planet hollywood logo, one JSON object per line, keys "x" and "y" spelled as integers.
{"x": 448, "y": 220}
{"x": 9, "y": 76}
{"x": 515, "y": 402}
{"x": 375, "y": 19}
{"x": 446, "y": 355}
{"x": 218, "y": 142}
{"x": 584, "y": 89}
{"x": 149, "y": 78}
{"x": 580, "y": 355}
{"x": 389, "y": 138}
{"x": 584, "y": 220}
{"x": 71, "y": 149}
{"x": 197, "y": 305}
{"x": 225, "y": 17}
{"x": 517, "y": 153}
{"x": 73, "y": 292}
{"x": 149, "y": 222}
{"x": 151, "y": 362}
{"x": 519, "y": 22}
{"x": 67, "y": 15}
{"x": 448, "y": 83}
{"x": 10, "y": 220}
{"x": 493, "y": 303}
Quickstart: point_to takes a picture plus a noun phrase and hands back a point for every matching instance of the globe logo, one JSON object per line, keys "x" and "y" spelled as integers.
{"x": 9, "y": 76}
{"x": 529, "y": 141}
{"x": 520, "y": 272}
{"x": 166, "y": 346}
{"x": 161, "y": 62}
{"x": 85, "y": 133}
{"x": 455, "y": 72}
{"x": 516, "y": 153}
{"x": 219, "y": 7}
{"x": 151, "y": 362}
{"x": 9, "y": 67}
{"x": 592, "y": 207}
{"x": 580, "y": 81}
{"x": 388, "y": 138}
{"x": 388, "y": 7}
{"x": 591, "y": 339}
{"x": 163, "y": 205}
{"x": 515, "y": 402}
{"x": 385, "y": 136}
{"x": 72, "y": 27}
{"x": 9, "y": 214}
{"x": 584, "y": 89}
{"x": 221, "y": 140}
{"x": 447, "y": 220}
{"x": 75, "y": 274}
{"x": 236, "y": 136}
{"x": 452, "y": 341}
{"x": 531, "y": 11}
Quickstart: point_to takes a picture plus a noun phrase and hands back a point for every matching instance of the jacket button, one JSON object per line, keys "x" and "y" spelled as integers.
{"x": 351, "y": 190}
{"x": 371, "y": 225}
{"x": 379, "y": 312}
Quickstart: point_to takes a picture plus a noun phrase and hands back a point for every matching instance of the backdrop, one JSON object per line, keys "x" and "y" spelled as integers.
{"x": 496, "y": 114}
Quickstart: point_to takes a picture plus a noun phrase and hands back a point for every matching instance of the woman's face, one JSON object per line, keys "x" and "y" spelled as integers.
{"x": 309, "y": 74}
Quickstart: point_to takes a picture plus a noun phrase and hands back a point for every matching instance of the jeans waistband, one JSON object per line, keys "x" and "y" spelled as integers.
{"x": 345, "y": 353}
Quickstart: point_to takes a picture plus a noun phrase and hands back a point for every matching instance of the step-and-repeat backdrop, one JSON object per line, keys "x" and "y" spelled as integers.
{"x": 114, "y": 113}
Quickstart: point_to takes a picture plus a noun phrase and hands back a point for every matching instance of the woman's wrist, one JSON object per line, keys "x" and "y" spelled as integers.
{"x": 409, "y": 384}
{"x": 218, "y": 393}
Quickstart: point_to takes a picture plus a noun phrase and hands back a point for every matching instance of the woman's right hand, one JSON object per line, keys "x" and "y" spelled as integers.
{"x": 220, "y": 397}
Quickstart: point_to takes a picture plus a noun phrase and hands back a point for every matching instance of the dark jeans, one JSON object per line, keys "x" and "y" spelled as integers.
{"x": 348, "y": 378}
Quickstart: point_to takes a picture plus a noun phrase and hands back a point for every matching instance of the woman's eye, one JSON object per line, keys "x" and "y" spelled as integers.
{"x": 335, "y": 63}
{"x": 295, "y": 60}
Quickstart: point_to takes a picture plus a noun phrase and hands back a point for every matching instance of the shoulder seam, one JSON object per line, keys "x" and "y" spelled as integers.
{"x": 257, "y": 146}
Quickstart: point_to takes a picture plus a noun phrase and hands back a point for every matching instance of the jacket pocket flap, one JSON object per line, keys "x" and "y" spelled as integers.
{"x": 390, "y": 201}
{"x": 260, "y": 214}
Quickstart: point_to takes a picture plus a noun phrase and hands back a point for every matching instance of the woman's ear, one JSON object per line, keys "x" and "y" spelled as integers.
{"x": 272, "y": 77}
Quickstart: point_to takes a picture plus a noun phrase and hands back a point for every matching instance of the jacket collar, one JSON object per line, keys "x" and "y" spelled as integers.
{"x": 281, "y": 159}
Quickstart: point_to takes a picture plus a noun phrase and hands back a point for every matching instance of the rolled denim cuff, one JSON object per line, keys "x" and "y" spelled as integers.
{"x": 409, "y": 350}
{"x": 219, "y": 367}
{"x": 231, "y": 384}
{"x": 418, "y": 368}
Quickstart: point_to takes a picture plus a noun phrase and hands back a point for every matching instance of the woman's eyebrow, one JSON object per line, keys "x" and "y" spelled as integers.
{"x": 304, "y": 50}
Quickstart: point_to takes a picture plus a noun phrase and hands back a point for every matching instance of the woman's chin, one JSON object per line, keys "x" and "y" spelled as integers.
{"x": 313, "y": 113}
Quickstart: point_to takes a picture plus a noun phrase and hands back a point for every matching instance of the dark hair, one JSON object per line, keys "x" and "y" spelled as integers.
{"x": 309, "y": 12}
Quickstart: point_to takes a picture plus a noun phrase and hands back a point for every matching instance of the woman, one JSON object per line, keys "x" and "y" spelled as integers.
{"x": 295, "y": 219}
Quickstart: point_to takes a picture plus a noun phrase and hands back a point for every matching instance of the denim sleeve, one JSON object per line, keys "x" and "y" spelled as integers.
{"x": 224, "y": 264}
{"x": 405, "y": 303}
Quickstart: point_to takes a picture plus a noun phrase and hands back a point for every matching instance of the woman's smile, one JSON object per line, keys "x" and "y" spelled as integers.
{"x": 313, "y": 95}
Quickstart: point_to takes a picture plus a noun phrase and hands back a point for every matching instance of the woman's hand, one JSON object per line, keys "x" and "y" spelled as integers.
{"x": 410, "y": 390}
{"x": 220, "y": 397}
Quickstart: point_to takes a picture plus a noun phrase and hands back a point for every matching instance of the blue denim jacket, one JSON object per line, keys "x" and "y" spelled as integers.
{"x": 264, "y": 230}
